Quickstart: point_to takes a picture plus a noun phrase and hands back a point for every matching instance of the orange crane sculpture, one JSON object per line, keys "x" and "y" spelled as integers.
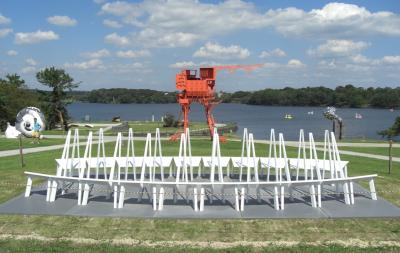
{"x": 201, "y": 88}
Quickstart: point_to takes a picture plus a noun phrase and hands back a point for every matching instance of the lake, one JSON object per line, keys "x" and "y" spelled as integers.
{"x": 258, "y": 119}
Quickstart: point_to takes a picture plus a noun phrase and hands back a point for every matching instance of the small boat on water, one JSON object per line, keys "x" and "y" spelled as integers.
{"x": 358, "y": 116}
{"x": 288, "y": 116}
{"x": 310, "y": 113}
{"x": 391, "y": 110}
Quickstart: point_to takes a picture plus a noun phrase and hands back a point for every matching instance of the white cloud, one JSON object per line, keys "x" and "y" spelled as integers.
{"x": 31, "y": 62}
{"x": 129, "y": 11}
{"x": 29, "y": 69}
{"x": 360, "y": 59}
{"x": 360, "y": 62}
{"x": 85, "y": 65}
{"x": 133, "y": 54}
{"x": 294, "y": 63}
{"x": 264, "y": 54}
{"x": 97, "y": 54}
{"x": 12, "y": 53}
{"x": 339, "y": 48}
{"x": 4, "y": 20}
{"x": 153, "y": 38}
{"x": 183, "y": 64}
{"x": 181, "y": 23}
{"x": 117, "y": 40}
{"x": 5, "y": 32}
{"x": 276, "y": 52}
{"x": 128, "y": 68}
{"x": 35, "y": 37}
{"x": 358, "y": 67}
{"x": 216, "y": 51}
{"x": 339, "y": 19}
{"x": 62, "y": 21}
{"x": 111, "y": 23}
{"x": 391, "y": 59}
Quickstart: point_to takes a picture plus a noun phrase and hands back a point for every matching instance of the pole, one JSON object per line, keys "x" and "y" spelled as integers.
{"x": 333, "y": 127}
{"x": 390, "y": 155}
{"x": 21, "y": 154}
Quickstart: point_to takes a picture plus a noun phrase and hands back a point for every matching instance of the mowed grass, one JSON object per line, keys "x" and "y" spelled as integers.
{"x": 139, "y": 127}
{"x": 10, "y": 144}
{"x": 145, "y": 127}
{"x": 275, "y": 230}
{"x": 374, "y": 150}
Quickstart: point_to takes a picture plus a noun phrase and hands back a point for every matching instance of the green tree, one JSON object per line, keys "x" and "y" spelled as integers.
{"x": 390, "y": 133}
{"x": 60, "y": 82}
{"x": 14, "y": 96}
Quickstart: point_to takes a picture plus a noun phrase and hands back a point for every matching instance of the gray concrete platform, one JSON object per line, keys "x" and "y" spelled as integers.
{"x": 333, "y": 205}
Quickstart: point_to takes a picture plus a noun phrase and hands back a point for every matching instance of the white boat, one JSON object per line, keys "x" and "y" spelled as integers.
{"x": 288, "y": 116}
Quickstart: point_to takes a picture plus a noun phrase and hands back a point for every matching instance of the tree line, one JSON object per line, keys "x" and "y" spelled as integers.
{"x": 341, "y": 96}
{"x": 126, "y": 96}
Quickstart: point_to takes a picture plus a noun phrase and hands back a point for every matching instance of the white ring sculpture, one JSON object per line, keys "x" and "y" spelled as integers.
{"x": 25, "y": 120}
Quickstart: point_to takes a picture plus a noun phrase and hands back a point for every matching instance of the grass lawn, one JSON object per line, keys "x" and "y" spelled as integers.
{"x": 374, "y": 150}
{"x": 142, "y": 126}
{"x": 229, "y": 233}
{"x": 9, "y": 144}
{"x": 83, "y": 131}
{"x": 361, "y": 140}
{"x": 139, "y": 127}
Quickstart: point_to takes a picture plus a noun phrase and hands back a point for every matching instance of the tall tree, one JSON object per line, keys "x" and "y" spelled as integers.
{"x": 15, "y": 80}
{"x": 390, "y": 133}
{"x": 14, "y": 96}
{"x": 60, "y": 82}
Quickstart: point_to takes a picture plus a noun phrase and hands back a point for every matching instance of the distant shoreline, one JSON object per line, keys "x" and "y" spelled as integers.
{"x": 342, "y": 97}
{"x": 310, "y": 106}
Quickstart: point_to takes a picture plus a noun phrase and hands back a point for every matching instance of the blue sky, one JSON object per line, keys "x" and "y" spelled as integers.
{"x": 142, "y": 44}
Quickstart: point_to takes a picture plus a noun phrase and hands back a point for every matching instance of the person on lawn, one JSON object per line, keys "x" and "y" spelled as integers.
{"x": 35, "y": 130}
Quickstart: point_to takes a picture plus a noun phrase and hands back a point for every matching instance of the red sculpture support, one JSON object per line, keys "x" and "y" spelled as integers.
{"x": 199, "y": 86}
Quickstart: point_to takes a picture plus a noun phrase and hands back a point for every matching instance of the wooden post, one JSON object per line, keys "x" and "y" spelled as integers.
{"x": 390, "y": 155}
{"x": 334, "y": 127}
{"x": 21, "y": 154}
{"x": 340, "y": 130}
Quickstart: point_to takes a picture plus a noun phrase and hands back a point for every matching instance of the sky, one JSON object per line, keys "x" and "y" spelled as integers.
{"x": 143, "y": 44}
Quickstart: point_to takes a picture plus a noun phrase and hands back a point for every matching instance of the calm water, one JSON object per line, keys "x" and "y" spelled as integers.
{"x": 258, "y": 119}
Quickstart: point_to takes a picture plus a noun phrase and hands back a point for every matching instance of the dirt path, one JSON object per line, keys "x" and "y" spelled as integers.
{"x": 205, "y": 244}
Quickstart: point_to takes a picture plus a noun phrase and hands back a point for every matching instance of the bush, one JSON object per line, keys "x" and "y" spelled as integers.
{"x": 169, "y": 120}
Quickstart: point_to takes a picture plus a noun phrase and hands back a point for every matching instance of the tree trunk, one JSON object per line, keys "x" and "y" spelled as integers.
{"x": 390, "y": 155}
{"x": 21, "y": 154}
{"x": 334, "y": 127}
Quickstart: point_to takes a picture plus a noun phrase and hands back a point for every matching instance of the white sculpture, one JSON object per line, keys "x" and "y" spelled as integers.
{"x": 25, "y": 120}
{"x": 316, "y": 174}
{"x": 11, "y": 132}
